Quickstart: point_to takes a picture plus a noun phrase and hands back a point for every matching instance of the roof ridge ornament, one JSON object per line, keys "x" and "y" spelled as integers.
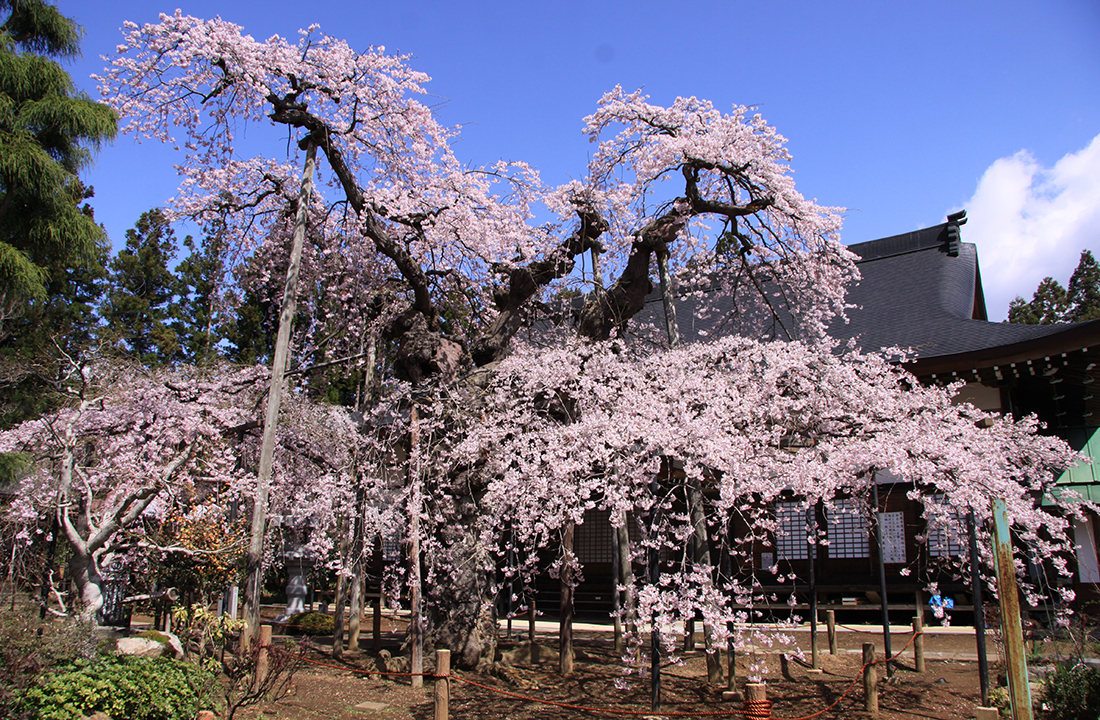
{"x": 953, "y": 241}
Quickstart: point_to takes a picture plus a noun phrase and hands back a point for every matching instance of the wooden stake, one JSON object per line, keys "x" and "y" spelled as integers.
{"x": 918, "y": 643}
{"x": 262, "y": 658}
{"x": 830, "y": 624}
{"x": 442, "y": 684}
{"x": 870, "y": 679}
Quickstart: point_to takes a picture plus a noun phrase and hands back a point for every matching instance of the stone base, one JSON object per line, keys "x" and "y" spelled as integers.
{"x": 731, "y": 695}
{"x": 986, "y": 713}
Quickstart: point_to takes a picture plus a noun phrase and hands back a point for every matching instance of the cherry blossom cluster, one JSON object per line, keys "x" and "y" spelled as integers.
{"x": 607, "y": 426}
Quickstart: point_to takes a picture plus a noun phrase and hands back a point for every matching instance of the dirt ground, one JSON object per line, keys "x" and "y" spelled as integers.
{"x": 948, "y": 690}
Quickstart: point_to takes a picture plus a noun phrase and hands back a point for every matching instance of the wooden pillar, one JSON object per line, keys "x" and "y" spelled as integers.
{"x": 616, "y": 596}
{"x": 254, "y": 568}
{"x": 376, "y": 621}
{"x": 626, "y": 576}
{"x": 979, "y": 608}
{"x": 1011, "y": 624}
{"x": 882, "y": 578}
{"x": 341, "y": 591}
{"x": 918, "y": 643}
{"x": 416, "y": 631}
{"x": 262, "y": 657}
{"x": 830, "y": 625}
{"x": 870, "y": 680}
{"x": 757, "y": 706}
{"x": 565, "y": 618}
{"x": 355, "y": 610}
{"x": 811, "y": 553}
{"x": 532, "y": 614}
{"x": 442, "y": 684}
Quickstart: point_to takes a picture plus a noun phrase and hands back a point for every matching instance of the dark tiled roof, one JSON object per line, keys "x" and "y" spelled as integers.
{"x": 914, "y": 294}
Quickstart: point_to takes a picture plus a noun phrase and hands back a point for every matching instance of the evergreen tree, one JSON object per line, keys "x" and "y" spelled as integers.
{"x": 141, "y": 290}
{"x": 47, "y": 133}
{"x": 195, "y": 314}
{"x": 1084, "y": 289}
{"x": 1049, "y": 305}
{"x": 1052, "y": 303}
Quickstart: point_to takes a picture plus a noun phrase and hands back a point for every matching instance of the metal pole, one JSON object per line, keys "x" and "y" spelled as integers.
{"x": 979, "y": 608}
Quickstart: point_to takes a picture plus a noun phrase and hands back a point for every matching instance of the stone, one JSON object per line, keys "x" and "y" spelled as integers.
{"x": 142, "y": 647}
{"x": 153, "y": 644}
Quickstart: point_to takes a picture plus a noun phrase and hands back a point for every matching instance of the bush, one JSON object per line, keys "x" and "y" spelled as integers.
{"x": 311, "y": 624}
{"x": 122, "y": 687}
{"x": 30, "y": 647}
{"x": 1072, "y": 692}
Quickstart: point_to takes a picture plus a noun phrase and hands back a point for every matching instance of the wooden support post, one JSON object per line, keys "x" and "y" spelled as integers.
{"x": 1012, "y": 629}
{"x": 756, "y": 705}
{"x": 870, "y": 679}
{"x": 979, "y": 609}
{"x": 918, "y": 643}
{"x": 616, "y": 596}
{"x": 879, "y": 514}
{"x": 262, "y": 657}
{"x": 416, "y": 629}
{"x": 811, "y": 556}
{"x": 532, "y": 613}
{"x": 565, "y": 617}
{"x": 376, "y": 622}
{"x": 830, "y": 623}
{"x": 254, "y": 569}
{"x": 442, "y": 684}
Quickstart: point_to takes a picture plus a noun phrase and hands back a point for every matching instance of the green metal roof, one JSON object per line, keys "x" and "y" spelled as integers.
{"x": 1083, "y": 478}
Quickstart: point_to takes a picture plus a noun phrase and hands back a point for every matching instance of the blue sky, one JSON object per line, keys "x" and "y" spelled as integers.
{"x": 901, "y": 112}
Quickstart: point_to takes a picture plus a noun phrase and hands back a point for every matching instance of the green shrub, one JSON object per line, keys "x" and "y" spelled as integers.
{"x": 30, "y": 647}
{"x": 122, "y": 687}
{"x": 311, "y": 624}
{"x": 1072, "y": 692}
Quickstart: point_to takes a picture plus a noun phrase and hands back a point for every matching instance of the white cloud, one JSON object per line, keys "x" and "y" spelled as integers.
{"x": 1031, "y": 222}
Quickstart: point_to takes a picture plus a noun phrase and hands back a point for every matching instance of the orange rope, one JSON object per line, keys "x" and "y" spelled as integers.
{"x": 751, "y": 710}
{"x": 856, "y": 680}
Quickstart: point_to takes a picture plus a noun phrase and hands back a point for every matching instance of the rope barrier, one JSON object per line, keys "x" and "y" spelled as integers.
{"x": 752, "y": 710}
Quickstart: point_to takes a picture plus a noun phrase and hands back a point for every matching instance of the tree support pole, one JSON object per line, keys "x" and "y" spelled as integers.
{"x": 882, "y": 580}
{"x": 979, "y": 608}
{"x": 1011, "y": 625}
{"x": 416, "y": 629}
{"x": 565, "y": 618}
{"x": 811, "y": 553}
{"x": 254, "y": 559}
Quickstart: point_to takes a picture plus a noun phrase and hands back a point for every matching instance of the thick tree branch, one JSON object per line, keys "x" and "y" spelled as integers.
{"x": 524, "y": 282}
